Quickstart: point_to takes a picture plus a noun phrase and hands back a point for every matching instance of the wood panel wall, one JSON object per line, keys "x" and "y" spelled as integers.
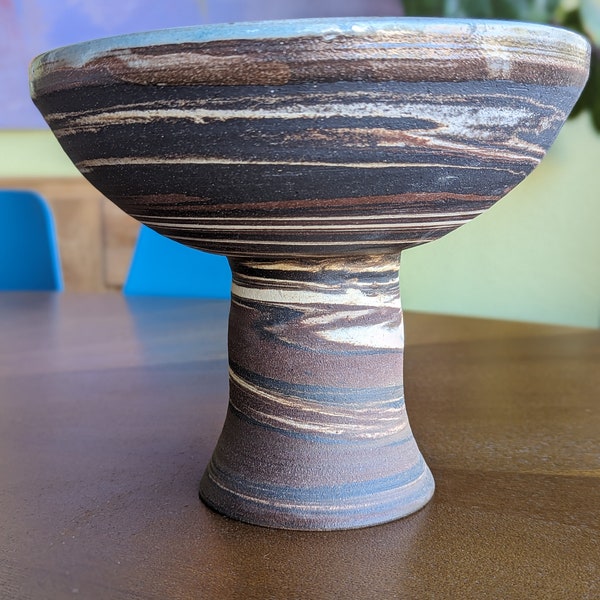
{"x": 96, "y": 239}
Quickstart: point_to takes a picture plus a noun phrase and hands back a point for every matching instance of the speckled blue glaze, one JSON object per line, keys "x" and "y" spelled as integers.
{"x": 78, "y": 54}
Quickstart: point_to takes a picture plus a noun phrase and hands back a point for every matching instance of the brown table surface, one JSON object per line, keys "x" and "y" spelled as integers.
{"x": 109, "y": 410}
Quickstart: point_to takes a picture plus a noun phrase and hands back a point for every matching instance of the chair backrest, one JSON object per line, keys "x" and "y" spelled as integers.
{"x": 29, "y": 258}
{"x": 162, "y": 267}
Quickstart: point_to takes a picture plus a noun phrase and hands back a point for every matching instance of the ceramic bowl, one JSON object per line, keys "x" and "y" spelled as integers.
{"x": 311, "y": 136}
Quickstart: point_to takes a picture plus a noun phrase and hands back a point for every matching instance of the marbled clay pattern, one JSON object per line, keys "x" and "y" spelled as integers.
{"x": 315, "y": 351}
{"x": 321, "y": 138}
{"x": 312, "y": 153}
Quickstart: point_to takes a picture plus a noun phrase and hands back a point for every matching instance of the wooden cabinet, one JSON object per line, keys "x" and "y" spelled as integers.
{"x": 96, "y": 239}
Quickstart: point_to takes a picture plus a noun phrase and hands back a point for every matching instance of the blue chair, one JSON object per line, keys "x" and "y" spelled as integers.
{"x": 29, "y": 258}
{"x": 162, "y": 267}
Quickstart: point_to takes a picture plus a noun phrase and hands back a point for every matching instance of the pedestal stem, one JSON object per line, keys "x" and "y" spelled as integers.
{"x": 316, "y": 434}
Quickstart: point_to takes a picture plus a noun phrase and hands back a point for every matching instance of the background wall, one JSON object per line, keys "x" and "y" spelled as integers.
{"x": 534, "y": 256}
{"x": 29, "y": 27}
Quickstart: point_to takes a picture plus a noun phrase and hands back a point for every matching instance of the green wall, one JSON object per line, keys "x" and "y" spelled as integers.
{"x": 33, "y": 154}
{"x": 534, "y": 256}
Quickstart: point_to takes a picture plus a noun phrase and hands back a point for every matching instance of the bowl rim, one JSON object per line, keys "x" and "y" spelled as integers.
{"x": 78, "y": 54}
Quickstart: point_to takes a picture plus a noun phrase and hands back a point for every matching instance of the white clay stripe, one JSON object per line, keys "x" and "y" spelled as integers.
{"x": 89, "y": 165}
{"x": 165, "y": 220}
{"x": 197, "y": 240}
{"x": 349, "y": 297}
{"x": 251, "y": 227}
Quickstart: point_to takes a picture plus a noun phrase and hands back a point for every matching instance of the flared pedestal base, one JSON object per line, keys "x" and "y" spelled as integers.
{"x": 316, "y": 435}
{"x": 323, "y": 492}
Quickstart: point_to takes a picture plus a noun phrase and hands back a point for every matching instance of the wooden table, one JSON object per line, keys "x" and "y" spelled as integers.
{"x": 109, "y": 410}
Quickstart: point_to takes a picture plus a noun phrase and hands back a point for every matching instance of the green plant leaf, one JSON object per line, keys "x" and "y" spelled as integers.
{"x": 592, "y": 89}
{"x": 522, "y": 10}
{"x": 590, "y": 18}
{"x": 590, "y": 97}
{"x": 424, "y": 8}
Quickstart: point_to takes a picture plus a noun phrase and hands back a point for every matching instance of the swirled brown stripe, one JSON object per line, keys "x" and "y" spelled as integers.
{"x": 394, "y": 149}
{"x": 313, "y": 413}
{"x": 371, "y": 123}
{"x": 324, "y": 394}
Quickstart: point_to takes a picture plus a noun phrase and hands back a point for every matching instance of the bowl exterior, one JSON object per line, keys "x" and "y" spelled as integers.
{"x": 321, "y": 138}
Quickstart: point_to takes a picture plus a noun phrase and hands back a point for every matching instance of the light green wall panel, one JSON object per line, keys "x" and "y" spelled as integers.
{"x": 34, "y": 153}
{"x": 534, "y": 256}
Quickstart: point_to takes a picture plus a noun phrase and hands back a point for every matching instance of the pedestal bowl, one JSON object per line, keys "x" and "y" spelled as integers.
{"x": 311, "y": 153}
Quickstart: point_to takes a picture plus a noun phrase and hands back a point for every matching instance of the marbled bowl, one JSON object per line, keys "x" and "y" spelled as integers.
{"x": 311, "y": 153}
{"x": 311, "y": 137}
